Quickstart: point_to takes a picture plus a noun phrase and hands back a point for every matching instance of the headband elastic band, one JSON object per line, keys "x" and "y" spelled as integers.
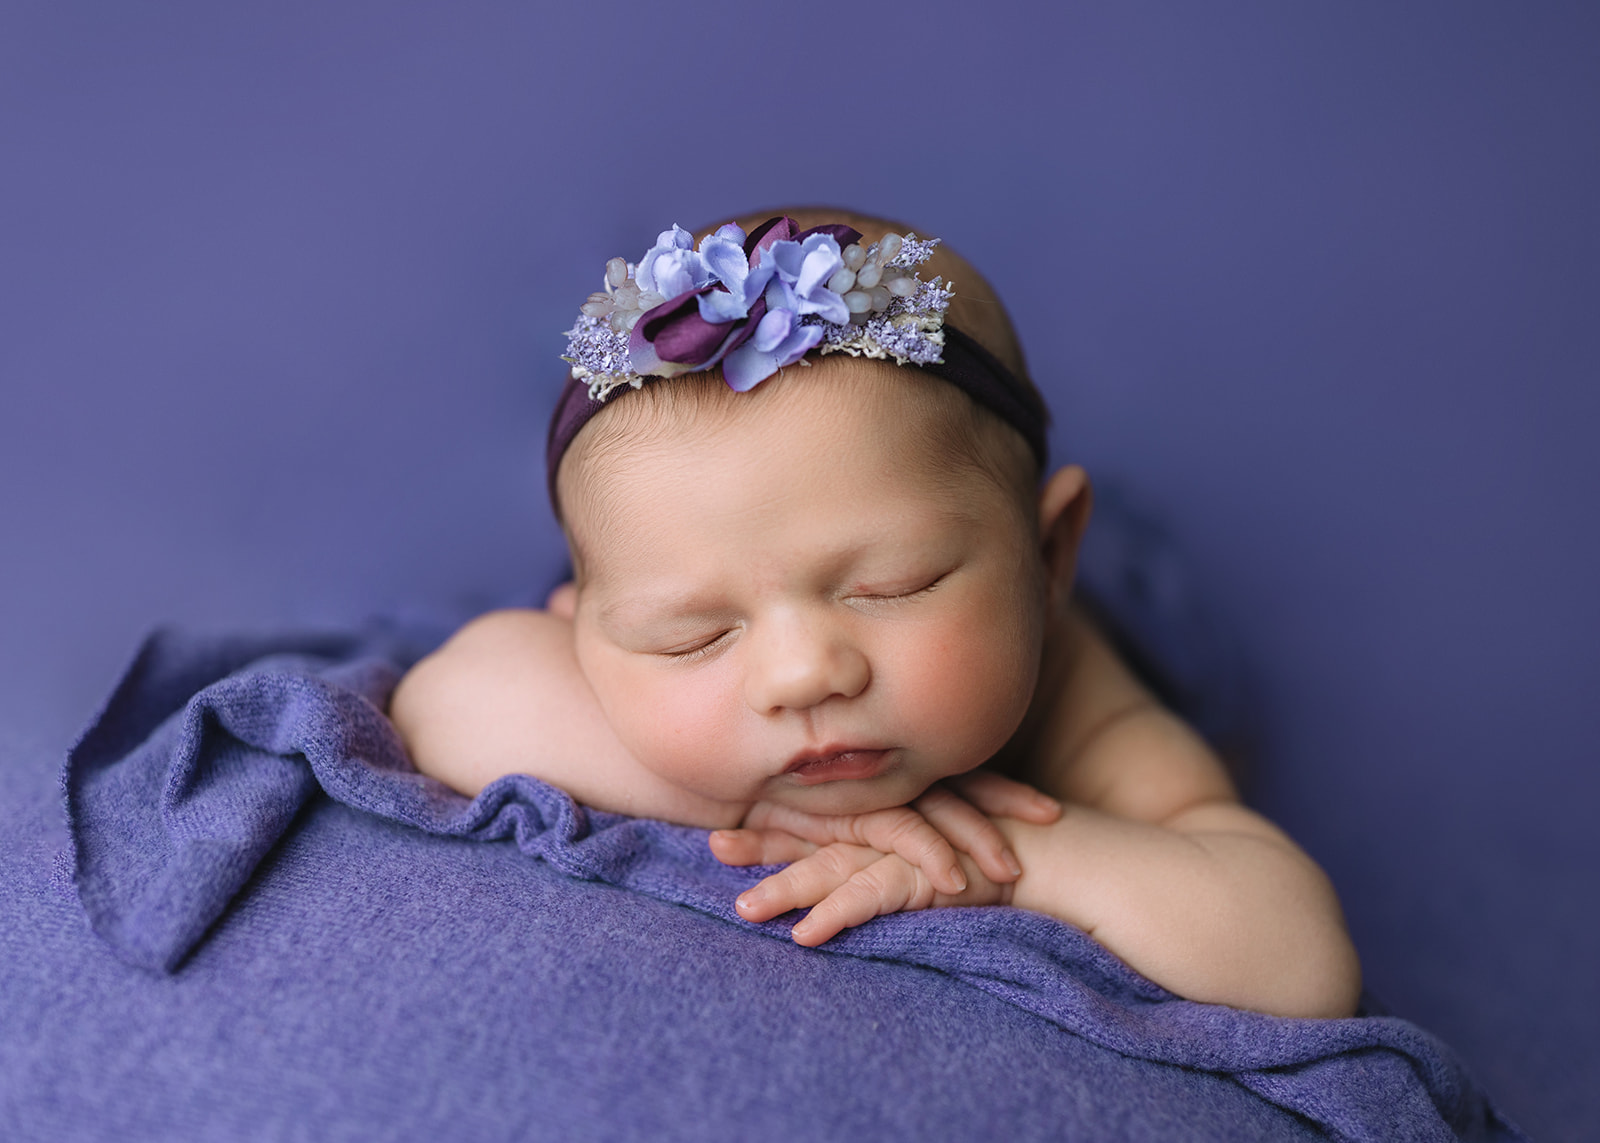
{"x": 966, "y": 365}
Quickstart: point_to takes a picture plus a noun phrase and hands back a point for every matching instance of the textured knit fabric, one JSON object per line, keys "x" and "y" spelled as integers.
{"x": 211, "y": 753}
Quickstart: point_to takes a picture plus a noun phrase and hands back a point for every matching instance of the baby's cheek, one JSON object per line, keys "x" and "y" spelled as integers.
{"x": 971, "y": 685}
{"x": 678, "y": 727}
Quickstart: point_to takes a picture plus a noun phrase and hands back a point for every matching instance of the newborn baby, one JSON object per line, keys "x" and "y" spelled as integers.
{"x": 822, "y": 605}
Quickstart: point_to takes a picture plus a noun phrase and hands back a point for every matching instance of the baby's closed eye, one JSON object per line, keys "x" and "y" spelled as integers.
{"x": 910, "y": 588}
{"x": 699, "y": 649}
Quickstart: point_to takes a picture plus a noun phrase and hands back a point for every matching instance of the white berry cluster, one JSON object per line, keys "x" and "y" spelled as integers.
{"x": 622, "y": 302}
{"x": 870, "y": 280}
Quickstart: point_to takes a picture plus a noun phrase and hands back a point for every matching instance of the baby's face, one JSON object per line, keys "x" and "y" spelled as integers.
{"x": 787, "y": 605}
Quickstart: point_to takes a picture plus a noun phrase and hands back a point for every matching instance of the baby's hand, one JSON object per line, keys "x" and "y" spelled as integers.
{"x": 847, "y": 885}
{"x": 855, "y": 867}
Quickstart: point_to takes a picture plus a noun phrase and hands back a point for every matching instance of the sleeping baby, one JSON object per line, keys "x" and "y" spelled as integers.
{"x": 822, "y": 605}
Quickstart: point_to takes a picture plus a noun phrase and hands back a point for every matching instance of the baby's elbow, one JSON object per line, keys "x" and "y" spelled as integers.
{"x": 1283, "y": 948}
{"x": 1325, "y": 984}
{"x": 1311, "y": 969}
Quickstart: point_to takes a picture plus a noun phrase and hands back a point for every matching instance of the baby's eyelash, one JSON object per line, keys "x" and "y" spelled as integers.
{"x": 923, "y": 590}
{"x": 694, "y": 652}
{"x": 702, "y": 650}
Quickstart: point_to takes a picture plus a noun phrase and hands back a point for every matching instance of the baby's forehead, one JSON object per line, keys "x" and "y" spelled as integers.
{"x": 838, "y": 390}
{"x": 899, "y": 421}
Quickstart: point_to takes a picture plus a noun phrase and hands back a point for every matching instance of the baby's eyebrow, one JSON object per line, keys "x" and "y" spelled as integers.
{"x": 632, "y": 610}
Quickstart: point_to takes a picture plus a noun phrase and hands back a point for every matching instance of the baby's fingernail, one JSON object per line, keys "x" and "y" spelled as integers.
{"x": 1011, "y": 862}
{"x": 1047, "y": 800}
{"x": 960, "y": 880}
{"x": 746, "y": 902}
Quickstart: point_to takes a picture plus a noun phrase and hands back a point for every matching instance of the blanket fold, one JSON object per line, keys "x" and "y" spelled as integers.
{"x": 208, "y": 749}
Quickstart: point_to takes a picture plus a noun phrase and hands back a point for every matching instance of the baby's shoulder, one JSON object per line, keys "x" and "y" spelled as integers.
{"x": 506, "y": 633}
{"x": 493, "y": 651}
{"x": 467, "y": 711}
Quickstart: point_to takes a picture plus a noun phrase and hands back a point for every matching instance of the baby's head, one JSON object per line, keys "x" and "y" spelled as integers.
{"x": 830, "y": 590}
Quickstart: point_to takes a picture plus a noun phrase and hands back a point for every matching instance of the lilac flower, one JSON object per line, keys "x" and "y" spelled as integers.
{"x": 796, "y": 274}
{"x": 779, "y": 340}
{"x": 750, "y": 294}
{"x": 801, "y": 273}
{"x": 670, "y": 267}
{"x": 724, "y": 254}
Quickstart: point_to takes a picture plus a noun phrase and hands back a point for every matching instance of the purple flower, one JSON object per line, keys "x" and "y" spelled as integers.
{"x": 743, "y": 307}
{"x": 741, "y": 280}
{"x": 796, "y": 274}
{"x": 670, "y": 268}
{"x": 779, "y": 340}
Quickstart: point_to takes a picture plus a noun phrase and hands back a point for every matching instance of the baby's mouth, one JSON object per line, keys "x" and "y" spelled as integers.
{"x": 837, "y": 765}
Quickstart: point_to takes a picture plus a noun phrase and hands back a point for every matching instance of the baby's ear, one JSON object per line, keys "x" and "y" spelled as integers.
{"x": 1064, "y": 504}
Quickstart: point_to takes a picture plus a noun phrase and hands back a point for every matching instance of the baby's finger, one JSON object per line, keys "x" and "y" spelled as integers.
{"x": 758, "y": 847}
{"x": 1001, "y": 797}
{"x": 900, "y": 829}
{"x": 971, "y": 832}
{"x": 805, "y": 882}
{"x": 888, "y": 885}
{"x": 823, "y": 829}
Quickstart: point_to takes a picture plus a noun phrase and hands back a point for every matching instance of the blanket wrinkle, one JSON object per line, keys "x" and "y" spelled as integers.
{"x": 208, "y": 749}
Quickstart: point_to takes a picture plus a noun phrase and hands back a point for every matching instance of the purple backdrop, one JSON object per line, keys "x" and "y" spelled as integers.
{"x": 281, "y": 293}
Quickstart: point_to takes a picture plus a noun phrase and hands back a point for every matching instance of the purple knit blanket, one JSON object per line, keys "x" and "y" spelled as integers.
{"x": 208, "y": 749}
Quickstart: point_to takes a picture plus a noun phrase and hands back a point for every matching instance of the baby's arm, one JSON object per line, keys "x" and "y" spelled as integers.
{"x": 1153, "y": 856}
{"x": 505, "y": 696}
{"x": 1158, "y": 860}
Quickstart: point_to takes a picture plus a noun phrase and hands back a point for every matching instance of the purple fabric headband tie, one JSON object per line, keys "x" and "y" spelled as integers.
{"x": 966, "y": 365}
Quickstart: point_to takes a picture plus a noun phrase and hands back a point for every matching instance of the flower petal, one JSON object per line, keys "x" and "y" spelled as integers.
{"x": 773, "y": 330}
{"x": 781, "y": 296}
{"x": 667, "y": 241}
{"x": 642, "y": 356}
{"x": 755, "y": 283}
{"x": 721, "y": 306}
{"x": 679, "y": 334}
{"x": 842, "y": 234}
{"x": 644, "y": 360}
{"x": 826, "y": 304}
{"x": 772, "y": 230}
{"x": 820, "y": 261}
{"x": 801, "y": 340}
{"x": 746, "y": 367}
{"x": 674, "y": 275}
{"x": 725, "y": 258}
{"x": 742, "y": 332}
{"x": 786, "y": 259}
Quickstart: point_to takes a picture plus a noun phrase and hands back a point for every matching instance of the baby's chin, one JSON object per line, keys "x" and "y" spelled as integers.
{"x": 851, "y": 796}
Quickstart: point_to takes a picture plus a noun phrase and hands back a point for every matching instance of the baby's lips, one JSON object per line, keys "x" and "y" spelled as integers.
{"x": 838, "y": 764}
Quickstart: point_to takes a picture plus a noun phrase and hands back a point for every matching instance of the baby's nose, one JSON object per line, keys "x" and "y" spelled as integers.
{"x": 800, "y": 661}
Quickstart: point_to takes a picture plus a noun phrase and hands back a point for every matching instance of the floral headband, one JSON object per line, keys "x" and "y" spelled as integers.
{"x": 754, "y": 303}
